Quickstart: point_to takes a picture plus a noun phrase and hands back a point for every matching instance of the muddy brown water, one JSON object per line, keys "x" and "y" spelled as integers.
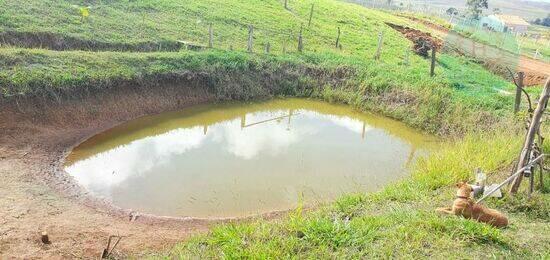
{"x": 242, "y": 159}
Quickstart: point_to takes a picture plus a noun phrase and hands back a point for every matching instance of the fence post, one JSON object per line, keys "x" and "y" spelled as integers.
{"x": 517, "y": 104}
{"x": 338, "y": 38}
{"x": 300, "y": 43}
{"x": 310, "y": 15}
{"x": 267, "y": 46}
{"x": 210, "y": 36}
{"x": 432, "y": 67}
{"x": 379, "y": 49}
{"x": 250, "y": 38}
{"x": 529, "y": 139}
{"x": 286, "y": 4}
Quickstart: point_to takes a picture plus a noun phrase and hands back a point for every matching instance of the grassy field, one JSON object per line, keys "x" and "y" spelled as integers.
{"x": 398, "y": 222}
{"x": 463, "y": 100}
{"x": 461, "y": 88}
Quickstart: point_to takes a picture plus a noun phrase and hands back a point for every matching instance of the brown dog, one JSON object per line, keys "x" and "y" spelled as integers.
{"x": 466, "y": 207}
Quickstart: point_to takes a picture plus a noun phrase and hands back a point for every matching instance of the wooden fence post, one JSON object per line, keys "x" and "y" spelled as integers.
{"x": 432, "y": 67}
{"x": 210, "y": 36}
{"x": 284, "y": 45}
{"x": 379, "y": 49}
{"x": 517, "y": 104}
{"x": 300, "y": 43}
{"x": 310, "y": 15}
{"x": 250, "y": 38}
{"x": 338, "y": 38}
{"x": 529, "y": 139}
{"x": 267, "y": 46}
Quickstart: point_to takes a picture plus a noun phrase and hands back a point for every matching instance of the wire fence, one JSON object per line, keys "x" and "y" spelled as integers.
{"x": 533, "y": 44}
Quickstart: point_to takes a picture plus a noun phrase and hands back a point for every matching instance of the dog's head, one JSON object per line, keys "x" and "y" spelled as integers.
{"x": 464, "y": 189}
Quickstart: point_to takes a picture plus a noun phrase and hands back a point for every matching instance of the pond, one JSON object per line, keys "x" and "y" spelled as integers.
{"x": 241, "y": 159}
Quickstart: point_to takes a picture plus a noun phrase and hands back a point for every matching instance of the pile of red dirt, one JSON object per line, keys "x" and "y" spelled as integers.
{"x": 533, "y": 79}
{"x": 423, "y": 42}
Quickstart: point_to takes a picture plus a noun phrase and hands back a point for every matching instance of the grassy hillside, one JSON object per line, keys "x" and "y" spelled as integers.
{"x": 463, "y": 98}
{"x": 461, "y": 87}
{"x": 170, "y": 20}
{"x": 400, "y": 221}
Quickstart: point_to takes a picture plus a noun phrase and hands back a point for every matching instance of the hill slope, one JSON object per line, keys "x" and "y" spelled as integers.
{"x": 52, "y": 54}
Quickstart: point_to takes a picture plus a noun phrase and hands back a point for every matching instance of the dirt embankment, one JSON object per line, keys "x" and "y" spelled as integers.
{"x": 36, "y": 133}
{"x": 423, "y": 42}
{"x": 52, "y": 41}
{"x": 37, "y": 195}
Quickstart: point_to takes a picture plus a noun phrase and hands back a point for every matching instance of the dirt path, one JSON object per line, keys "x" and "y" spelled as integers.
{"x": 536, "y": 71}
{"x": 36, "y": 195}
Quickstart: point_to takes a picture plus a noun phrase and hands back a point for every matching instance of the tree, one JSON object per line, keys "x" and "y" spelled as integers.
{"x": 543, "y": 21}
{"x": 475, "y": 7}
{"x": 546, "y": 21}
{"x": 452, "y": 11}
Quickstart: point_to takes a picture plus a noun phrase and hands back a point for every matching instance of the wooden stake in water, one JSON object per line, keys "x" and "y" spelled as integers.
{"x": 250, "y": 38}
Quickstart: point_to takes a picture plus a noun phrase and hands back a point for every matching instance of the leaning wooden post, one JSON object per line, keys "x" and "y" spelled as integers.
{"x": 210, "y": 36}
{"x": 310, "y": 15}
{"x": 530, "y": 138}
{"x": 517, "y": 103}
{"x": 250, "y": 37}
{"x": 338, "y": 38}
{"x": 432, "y": 67}
{"x": 379, "y": 49}
{"x": 300, "y": 43}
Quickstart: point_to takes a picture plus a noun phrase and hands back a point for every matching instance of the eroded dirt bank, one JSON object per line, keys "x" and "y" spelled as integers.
{"x": 36, "y": 194}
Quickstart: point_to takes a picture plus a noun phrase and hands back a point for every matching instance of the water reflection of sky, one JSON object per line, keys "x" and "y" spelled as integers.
{"x": 245, "y": 158}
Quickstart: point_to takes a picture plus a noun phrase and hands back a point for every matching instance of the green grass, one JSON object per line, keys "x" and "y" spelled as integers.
{"x": 463, "y": 99}
{"x": 462, "y": 94}
{"x": 399, "y": 221}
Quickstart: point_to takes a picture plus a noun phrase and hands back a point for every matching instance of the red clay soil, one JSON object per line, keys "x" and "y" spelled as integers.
{"x": 37, "y": 195}
{"x": 423, "y": 42}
